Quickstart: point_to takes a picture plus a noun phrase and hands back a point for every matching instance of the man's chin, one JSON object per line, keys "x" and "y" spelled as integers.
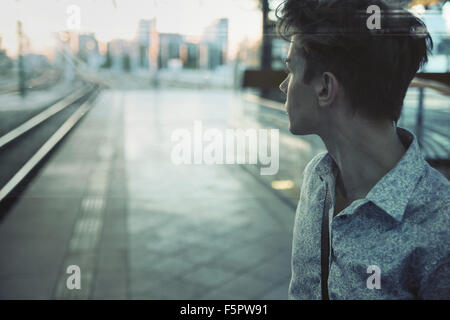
{"x": 299, "y": 131}
{"x": 295, "y": 130}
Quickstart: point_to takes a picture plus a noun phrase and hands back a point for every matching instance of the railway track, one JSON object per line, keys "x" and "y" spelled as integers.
{"x": 26, "y": 147}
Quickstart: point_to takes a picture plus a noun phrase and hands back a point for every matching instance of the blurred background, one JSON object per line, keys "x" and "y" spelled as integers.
{"x": 91, "y": 92}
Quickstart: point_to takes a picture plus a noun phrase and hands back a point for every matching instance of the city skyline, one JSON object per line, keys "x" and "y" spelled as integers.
{"x": 41, "y": 20}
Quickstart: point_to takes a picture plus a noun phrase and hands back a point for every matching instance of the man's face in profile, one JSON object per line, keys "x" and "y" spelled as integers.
{"x": 301, "y": 101}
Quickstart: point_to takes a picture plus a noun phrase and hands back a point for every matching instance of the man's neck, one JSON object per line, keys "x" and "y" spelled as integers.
{"x": 364, "y": 152}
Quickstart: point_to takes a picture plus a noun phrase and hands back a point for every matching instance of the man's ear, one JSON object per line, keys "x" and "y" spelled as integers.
{"x": 326, "y": 87}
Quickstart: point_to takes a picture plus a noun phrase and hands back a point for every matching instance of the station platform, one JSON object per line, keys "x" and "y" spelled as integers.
{"x": 110, "y": 201}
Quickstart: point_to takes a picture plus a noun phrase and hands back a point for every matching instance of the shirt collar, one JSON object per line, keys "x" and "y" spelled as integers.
{"x": 393, "y": 190}
{"x": 326, "y": 167}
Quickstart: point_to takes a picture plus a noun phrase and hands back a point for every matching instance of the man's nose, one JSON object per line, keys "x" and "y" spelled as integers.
{"x": 283, "y": 87}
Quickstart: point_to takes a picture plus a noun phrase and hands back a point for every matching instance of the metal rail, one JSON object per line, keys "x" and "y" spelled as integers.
{"x": 423, "y": 84}
{"x": 431, "y": 84}
{"x": 56, "y": 137}
{"x": 419, "y": 83}
{"x": 416, "y": 82}
{"x": 41, "y": 117}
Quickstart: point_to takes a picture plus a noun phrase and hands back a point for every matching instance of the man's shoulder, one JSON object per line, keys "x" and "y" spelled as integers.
{"x": 313, "y": 166}
{"x": 434, "y": 185}
{"x": 431, "y": 196}
{"x": 435, "y": 177}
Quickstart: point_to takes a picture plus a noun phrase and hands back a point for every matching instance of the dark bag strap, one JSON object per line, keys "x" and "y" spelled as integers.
{"x": 325, "y": 247}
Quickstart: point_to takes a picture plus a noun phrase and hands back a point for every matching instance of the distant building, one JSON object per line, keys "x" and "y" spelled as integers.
{"x": 153, "y": 51}
{"x": 189, "y": 54}
{"x": 5, "y": 61}
{"x": 118, "y": 52}
{"x": 203, "y": 56}
{"x": 215, "y": 39}
{"x": 163, "y": 50}
{"x": 87, "y": 44}
{"x": 145, "y": 39}
{"x": 88, "y": 50}
{"x": 66, "y": 45}
{"x": 66, "y": 41}
{"x": 169, "y": 48}
{"x": 143, "y": 42}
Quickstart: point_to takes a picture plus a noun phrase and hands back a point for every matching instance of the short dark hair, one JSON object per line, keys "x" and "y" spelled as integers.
{"x": 376, "y": 66}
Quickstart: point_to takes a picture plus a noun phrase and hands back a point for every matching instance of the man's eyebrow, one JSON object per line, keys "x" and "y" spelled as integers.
{"x": 287, "y": 60}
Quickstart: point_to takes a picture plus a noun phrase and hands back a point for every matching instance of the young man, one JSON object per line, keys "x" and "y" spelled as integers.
{"x": 373, "y": 217}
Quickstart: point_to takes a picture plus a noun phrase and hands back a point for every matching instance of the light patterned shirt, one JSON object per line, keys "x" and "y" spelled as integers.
{"x": 393, "y": 244}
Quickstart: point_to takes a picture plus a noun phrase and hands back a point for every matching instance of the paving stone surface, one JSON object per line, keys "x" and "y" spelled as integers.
{"x": 139, "y": 226}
